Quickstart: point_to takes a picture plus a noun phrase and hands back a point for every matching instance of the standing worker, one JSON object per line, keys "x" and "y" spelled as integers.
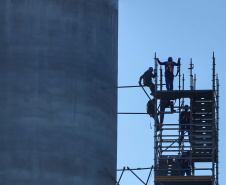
{"x": 169, "y": 67}
{"x": 186, "y": 164}
{"x": 184, "y": 123}
{"x": 147, "y": 79}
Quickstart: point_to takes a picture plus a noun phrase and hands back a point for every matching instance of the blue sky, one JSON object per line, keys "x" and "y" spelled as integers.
{"x": 185, "y": 29}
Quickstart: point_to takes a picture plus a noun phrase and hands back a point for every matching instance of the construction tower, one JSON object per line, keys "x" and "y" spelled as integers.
{"x": 200, "y": 140}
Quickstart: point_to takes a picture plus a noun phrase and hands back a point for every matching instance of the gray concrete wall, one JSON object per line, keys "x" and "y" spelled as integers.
{"x": 58, "y": 64}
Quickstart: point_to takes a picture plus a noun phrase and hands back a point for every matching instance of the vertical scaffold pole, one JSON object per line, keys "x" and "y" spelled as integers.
{"x": 191, "y": 133}
{"x": 161, "y": 78}
{"x": 194, "y": 86}
{"x": 179, "y": 76}
{"x": 179, "y": 108}
{"x": 182, "y": 103}
{"x": 214, "y": 75}
{"x": 155, "y": 128}
{"x": 191, "y": 76}
{"x": 217, "y": 162}
{"x": 214, "y": 132}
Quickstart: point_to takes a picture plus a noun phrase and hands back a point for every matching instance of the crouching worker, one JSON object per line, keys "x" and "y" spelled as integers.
{"x": 164, "y": 103}
{"x": 151, "y": 111}
{"x": 147, "y": 79}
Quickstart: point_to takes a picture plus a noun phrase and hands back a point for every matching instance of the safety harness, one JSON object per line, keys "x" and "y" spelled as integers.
{"x": 186, "y": 115}
{"x": 169, "y": 67}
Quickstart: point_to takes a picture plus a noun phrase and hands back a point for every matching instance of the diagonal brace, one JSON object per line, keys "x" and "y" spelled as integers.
{"x": 121, "y": 175}
{"x": 117, "y": 182}
{"x": 110, "y": 175}
{"x": 149, "y": 174}
{"x": 136, "y": 175}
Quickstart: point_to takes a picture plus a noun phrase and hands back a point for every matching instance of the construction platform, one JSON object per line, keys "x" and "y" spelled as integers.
{"x": 185, "y": 180}
{"x": 177, "y": 94}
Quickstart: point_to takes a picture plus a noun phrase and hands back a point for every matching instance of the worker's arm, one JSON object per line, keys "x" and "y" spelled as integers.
{"x": 140, "y": 80}
{"x": 160, "y": 63}
{"x": 155, "y": 73}
{"x": 178, "y": 62}
{"x": 181, "y": 116}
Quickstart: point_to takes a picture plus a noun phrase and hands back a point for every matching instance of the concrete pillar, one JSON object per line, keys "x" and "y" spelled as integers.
{"x": 58, "y": 104}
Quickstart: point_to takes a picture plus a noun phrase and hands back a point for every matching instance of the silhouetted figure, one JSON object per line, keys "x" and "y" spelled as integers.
{"x": 186, "y": 164}
{"x": 184, "y": 124}
{"x": 164, "y": 103}
{"x": 147, "y": 79}
{"x": 169, "y": 68}
{"x": 151, "y": 111}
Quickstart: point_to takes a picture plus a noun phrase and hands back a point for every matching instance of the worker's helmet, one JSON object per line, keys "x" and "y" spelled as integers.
{"x": 170, "y": 59}
{"x": 150, "y": 68}
{"x": 186, "y": 107}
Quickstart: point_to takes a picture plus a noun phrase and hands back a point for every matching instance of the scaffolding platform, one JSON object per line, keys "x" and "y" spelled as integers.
{"x": 185, "y": 180}
{"x": 177, "y": 94}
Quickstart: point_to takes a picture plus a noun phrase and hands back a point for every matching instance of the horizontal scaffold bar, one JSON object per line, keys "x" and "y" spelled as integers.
{"x": 180, "y": 169}
{"x": 179, "y": 157}
{"x": 148, "y": 168}
{"x": 131, "y": 86}
{"x": 131, "y": 113}
{"x": 183, "y": 178}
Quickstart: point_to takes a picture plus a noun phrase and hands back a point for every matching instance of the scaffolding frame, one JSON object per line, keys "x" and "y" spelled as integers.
{"x": 171, "y": 140}
{"x": 209, "y": 117}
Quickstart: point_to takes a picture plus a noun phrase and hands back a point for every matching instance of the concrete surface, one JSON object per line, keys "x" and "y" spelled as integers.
{"x": 58, "y": 107}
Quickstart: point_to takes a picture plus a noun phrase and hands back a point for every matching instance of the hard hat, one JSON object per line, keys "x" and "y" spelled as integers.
{"x": 150, "y": 68}
{"x": 170, "y": 59}
{"x": 186, "y": 107}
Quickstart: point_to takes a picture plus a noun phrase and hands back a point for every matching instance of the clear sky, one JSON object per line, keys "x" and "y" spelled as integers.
{"x": 185, "y": 29}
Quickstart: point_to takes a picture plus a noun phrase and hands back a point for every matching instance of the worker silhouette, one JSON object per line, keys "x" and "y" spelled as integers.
{"x": 184, "y": 124}
{"x": 169, "y": 67}
{"x": 164, "y": 103}
{"x": 147, "y": 79}
{"x": 186, "y": 164}
{"x": 151, "y": 111}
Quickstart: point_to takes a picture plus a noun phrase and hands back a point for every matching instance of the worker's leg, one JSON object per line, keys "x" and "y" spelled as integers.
{"x": 182, "y": 172}
{"x": 188, "y": 172}
{"x": 152, "y": 88}
{"x": 172, "y": 106}
{"x": 182, "y": 128}
{"x": 167, "y": 83}
{"x": 171, "y": 82}
{"x": 181, "y": 135}
{"x": 162, "y": 109}
{"x": 187, "y": 128}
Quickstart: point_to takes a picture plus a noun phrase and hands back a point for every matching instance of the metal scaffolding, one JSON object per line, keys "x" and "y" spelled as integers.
{"x": 203, "y": 130}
